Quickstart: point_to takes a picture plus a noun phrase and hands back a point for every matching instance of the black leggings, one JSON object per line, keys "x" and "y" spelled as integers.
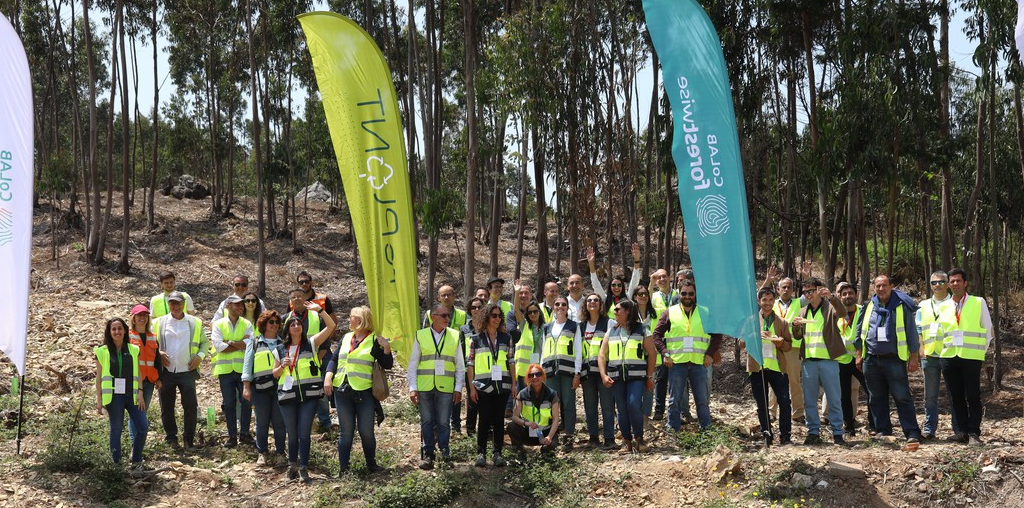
{"x": 491, "y": 415}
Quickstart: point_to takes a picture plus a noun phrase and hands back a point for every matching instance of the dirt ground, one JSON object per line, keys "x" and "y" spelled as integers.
{"x": 69, "y": 304}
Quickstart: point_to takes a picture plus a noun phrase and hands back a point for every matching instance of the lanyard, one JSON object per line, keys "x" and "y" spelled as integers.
{"x": 356, "y": 343}
{"x": 935, "y": 313}
{"x": 493, "y": 346}
{"x": 768, "y": 321}
{"x": 439, "y": 345}
{"x": 689, "y": 323}
{"x": 960, "y": 307}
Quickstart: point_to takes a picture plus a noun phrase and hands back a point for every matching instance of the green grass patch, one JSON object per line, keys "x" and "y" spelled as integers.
{"x": 556, "y": 480}
{"x": 707, "y": 441}
{"x": 421, "y": 490}
{"x": 778, "y": 489}
{"x": 958, "y": 472}
{"x": 402, "y": 409}
{"x": 9, "y": 413}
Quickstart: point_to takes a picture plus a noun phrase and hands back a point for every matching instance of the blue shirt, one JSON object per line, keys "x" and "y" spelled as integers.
{"x": 885, "y": 315}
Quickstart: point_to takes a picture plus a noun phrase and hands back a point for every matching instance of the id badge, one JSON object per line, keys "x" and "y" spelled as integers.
{"x": 767, "y": 350}
{"x": 495, "y": 372}
{"x": 438, "y": 368}
{"x": 688, "y": 343}
{"x": 288, "y": 382}
{"x": 933, "y": 329}
{"x": 883, "y": 334}
{"x": 119, "y": 386}
{"x": 958, "y": 338}
{"x": 538, "y": 432}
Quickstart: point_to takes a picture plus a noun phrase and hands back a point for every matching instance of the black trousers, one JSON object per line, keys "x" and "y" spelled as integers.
{"x": 491, "y": 413}
{"x": 847, "y": 372}
{"x": 963, "y": 382}
{"x": 185, "y": 382}
{"x": 779, "y": 382}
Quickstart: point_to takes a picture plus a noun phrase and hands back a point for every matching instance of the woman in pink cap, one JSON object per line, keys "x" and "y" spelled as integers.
{"x": 142, "y": 336}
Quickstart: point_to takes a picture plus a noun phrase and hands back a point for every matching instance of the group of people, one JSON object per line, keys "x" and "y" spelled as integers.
{"x": 635, "y": 352}
{"x": 281, "y": 366}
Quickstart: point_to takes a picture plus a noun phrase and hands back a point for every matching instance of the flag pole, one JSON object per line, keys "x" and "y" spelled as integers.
{"x": 21, "y": 407}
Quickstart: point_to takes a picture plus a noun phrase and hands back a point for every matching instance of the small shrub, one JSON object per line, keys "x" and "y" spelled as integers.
{"x": 957, "y": 474}
{"x": 785, "y": 494}
{"x": 421, "y": 491}
{"x": 557, "y": 480}
{"x": 706, "y": 441}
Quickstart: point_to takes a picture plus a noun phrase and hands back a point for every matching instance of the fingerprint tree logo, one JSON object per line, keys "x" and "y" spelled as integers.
{"x": 6, "y": 226}
{"x": 712, "y": 215}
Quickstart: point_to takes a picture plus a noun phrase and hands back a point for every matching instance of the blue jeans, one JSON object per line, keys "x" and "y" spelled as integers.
{"x": 298, "y": 419}
{"x": 686, "y": 396}
{"x": 147, "y": 395}
{"x": 355, "y": 407}
{"x": 115, "y": 410}
{"x": 562, "y": 385}
{"x": 231, "y": 393}
{"x": 680, "y": 377}
{"x": 268, "y": 414}
{"x": 629, "y": 399}
{"x": 885, "y": 376}
{"x": 932, "y": 368}
{"x": 822, "y": 374}
{"x": 594, "y": 391}
{"x": 435, "y": 415}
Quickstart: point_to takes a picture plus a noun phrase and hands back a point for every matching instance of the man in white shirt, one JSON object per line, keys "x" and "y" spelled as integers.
{"x": 575, "y": 297}
{"x": 436, "y": 375}
{"x": 230, "y": 336}
{"x": 183, "y": 345}
{"x": 240, "y": 285}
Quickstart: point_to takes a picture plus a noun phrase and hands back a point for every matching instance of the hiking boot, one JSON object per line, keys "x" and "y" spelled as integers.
{"x": 262, "y": 460}
{"x": 609, "y": 444}
{"x": 641, "y": 446}
{"x": 293, "y": 471}
{"x": 627, "y": 447}
{"x": 974, "y": 440}
{"x": 498, "y": 460}
{"x": 838, "y": 440}
{"x": 374, "y": 467}
{"x": 567, "y": 445}
{"x": 658, "y": 416}
{"x": 427, "y": 463}
{"x": 247, "y": 439}
{"x": 812, "y": 439}
{"x": 785, "y": 440}
{"x": 959, "y": 437}
{"x": 594, "y": 441}
{"x": 481, "y": 460}
{"x": 231, "y": 442}
{"x": 304, "y": 475}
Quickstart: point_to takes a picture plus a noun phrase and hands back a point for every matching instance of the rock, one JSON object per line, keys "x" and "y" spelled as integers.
{"x": 802, "y": 481}
{"x": 846, "y": 470}
{"x": 722, "y": 462}
{"x": 822, "y": 485}
{"x": 94, "y": 305}
{"x": 922, "y": 487}
{"x": 315, "y": 192}
{"x": 213, "y": 484}
{"x": 189, "y": 187}
{"x": 990, "y": 468}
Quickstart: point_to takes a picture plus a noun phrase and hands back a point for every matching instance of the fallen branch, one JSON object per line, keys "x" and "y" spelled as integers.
{"x": 62, "y": 379}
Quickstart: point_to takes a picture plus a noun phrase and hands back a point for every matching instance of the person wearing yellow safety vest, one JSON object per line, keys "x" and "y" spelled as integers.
{"x": 536, "y": 414}
{"x": 547, "y": 306}
{"x": 229, "y": 336}
{"x": 350, "y": 380}
{"x": 158, "y": 303}
{"x": 300, "y": 386}
{"x": 240, "y": 285}
{"x": 260, "y": 388}
{"x": 446, "y": 296}
{"x": 775, "y": 340}
{"x": 816, "y": 330}
{"x": 562, "y": 359}
{"x": 496, "y": 288}
{"x": 593, "y": 325}
{"x": 687, "y": 350}
{"x": 617, "y": 289}
{"x": 142, "y": 336}
{"x": 466, "y": 333}
{"x": 118, "y": 389}
{"x": 661, "y": 296}
{"x": 626, "y": 363}
{"x": 645, "y": 311}
{"x": 888, "y": 348}
{"x": 787, "y": 306}
{"x": 965, "y": 341}
{"x": 183, "y": 345}
{"x": 933, "y": 314}
{"x": 312, "y": 323}
{"x": 436, "y": 375}
{"x": 490, "y": 367}
{"x": 848, "y": 369}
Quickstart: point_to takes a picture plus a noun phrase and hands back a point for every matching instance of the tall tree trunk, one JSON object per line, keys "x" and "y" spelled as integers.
{"x": 254, "y": 71}
{"x": 150, "y": 220}
{"x": 813, "y": 117}
{"x": 115, "y": 76}
{"x": 948, "y": 242}
{"x": 539, "y": 168}
{"x": 524, "y": 138}
{"x": 122, "y": 263}
{"x": 93, "y": 182}
{"x": 993, "y": 208}
{"x": 970, "y": 248}
{"x": 469, "y": 266}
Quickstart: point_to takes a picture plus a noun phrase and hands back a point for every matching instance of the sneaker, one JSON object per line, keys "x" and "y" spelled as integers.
{"x": 374, "y": 467}
{"x": 481, "y": 461}
{"x": 173, "y": 443}
{"x": 785, "y": 441}
{"x": 812, "y": 439}
{"x": 594, "y": 441}
{"x": 262, "y": 460}
{"x": 641, "y": 446}
{"x": 838, "y": 440}
{"x": 498, "y": 460}
{"x": 974, "y": 440}
{"x": 231, "y": 442}
{"x": 609, "y": 444}
{"x": 567, "y": 445}
{"x": 293, "y": 471}
{"x": 959, "y": 437}
{"x": 304, "y": 475}
{"x": 658, "y": 416}
{"x": 140, "y": 466}
{"x": 914, "y": 439}
{"x": 190, "y": 447}
{"x": 928, "y": 436}
{"x": 627, "y": 447}
{"x": 427, "y": 463}
{"x": 247, "y": 439}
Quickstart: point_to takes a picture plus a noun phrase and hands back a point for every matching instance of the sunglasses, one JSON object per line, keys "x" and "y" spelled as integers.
{"x": 561, "y": 304}
{"x": 687, "y": 293}
{"x": 475, "y": 308}
{"x": 443, "y": 316}
{"x": 638, "y": 295}
{"x": 251, "y": 300}
{"x": 534, "y": 311}
{"x": 273, "y": 321}
{"x": 593, "y": 300}
{"x": 938, "y": 283}
{"x": 241, "y": 285}
{"x": 616, "y": 285}
{"x": 306, "y": 281}
{"x": 495, "y": 316}
{"x": 535, "y": 375}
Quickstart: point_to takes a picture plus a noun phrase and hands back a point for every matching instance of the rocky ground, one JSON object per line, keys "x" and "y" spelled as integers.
{"x": 62, "y": 452}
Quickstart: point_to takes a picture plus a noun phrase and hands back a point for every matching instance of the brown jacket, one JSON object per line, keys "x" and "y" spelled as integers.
{"x": 831, "y": 335}
{"x": 781, "y": 330}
